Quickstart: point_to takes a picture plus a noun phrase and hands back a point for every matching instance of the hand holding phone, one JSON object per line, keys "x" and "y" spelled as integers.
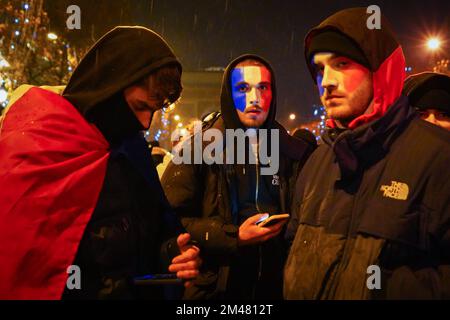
{"x": 271, "y": 220}
{"x": 251, "y": 233}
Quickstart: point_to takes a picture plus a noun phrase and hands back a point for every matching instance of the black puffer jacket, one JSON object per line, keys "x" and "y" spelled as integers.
{"x": 131, "y": 225}
{"x": 212, "y": 202}
{"x": 374, "y": 196}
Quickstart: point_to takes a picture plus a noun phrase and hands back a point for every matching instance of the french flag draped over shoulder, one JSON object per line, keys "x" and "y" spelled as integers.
{"x": 52, "y": 167}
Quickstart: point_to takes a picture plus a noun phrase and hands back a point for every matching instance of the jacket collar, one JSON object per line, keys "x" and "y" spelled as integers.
{"x": 365, "y": 145}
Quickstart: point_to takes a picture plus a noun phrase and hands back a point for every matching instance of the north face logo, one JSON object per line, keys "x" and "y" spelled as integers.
{"x": 397, "y": 190}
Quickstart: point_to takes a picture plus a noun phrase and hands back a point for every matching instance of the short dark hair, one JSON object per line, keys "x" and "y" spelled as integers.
{"x": 168, "y": 82}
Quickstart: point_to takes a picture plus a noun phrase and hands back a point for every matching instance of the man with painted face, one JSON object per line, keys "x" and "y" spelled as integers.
{"x": 220, "y": 203}
{"x": 79, "y": 193}
{"x": 371, "y": 217}
{"x": 429, "y": 93}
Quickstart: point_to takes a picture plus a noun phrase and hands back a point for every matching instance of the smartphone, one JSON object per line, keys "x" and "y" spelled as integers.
{"x": 157, "y": 279}
{"x": 271, "y": 220}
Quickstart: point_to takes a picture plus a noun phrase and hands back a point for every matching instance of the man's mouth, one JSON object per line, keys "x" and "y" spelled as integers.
{"x": 332, "y": 97}
{"x": 253, "y": 111}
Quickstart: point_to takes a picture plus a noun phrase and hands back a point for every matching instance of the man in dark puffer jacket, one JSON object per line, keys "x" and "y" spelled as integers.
{"x": 372, "y": 213}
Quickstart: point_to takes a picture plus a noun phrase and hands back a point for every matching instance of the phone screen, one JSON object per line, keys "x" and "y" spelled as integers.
{"x": 157, "y": 279}
{"x": 262, "y": 219}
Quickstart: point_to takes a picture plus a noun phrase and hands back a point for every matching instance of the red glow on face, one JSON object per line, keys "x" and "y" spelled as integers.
{"x": 266, "y": 95}
{"x": 345, "y": 85}
{"x": 353, "y": 77}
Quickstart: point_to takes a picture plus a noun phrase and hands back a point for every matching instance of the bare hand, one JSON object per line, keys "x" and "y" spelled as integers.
{"x": 186, "y": 264}
{"x": 250, "y": 233}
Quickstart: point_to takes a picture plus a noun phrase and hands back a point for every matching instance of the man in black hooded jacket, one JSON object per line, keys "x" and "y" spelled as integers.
{"x": 96, "y": 201}
{"x": 220, "y": 203}
{"x": 371, "y": 218}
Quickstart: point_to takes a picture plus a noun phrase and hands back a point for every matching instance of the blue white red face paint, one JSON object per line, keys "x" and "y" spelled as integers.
{"x": 251, "y": 85}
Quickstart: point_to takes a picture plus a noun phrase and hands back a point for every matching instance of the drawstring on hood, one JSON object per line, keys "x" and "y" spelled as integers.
{"x": 381, "y": 50}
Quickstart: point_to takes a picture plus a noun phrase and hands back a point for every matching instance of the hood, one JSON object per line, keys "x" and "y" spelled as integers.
{"x": 227, "y": 107}
{"x": 428, "y": 90}
{"x": 381, "y": 50}
{"x": 119, "y": 59}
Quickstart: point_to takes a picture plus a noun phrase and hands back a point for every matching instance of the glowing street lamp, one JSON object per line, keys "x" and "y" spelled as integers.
{"x": 3, "y": 95}
{"x": 433, "y": 44}
{"x": 292, "y": 116}
{"x": 3, "y": 62}
{"x": 52, "y": 36}
{"x": 176, "y": 117}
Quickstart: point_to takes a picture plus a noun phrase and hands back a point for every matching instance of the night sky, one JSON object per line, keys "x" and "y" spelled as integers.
{"x": 207, "y": 33}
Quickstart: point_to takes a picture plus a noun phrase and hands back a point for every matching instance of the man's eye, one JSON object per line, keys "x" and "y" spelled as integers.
{"x": 263, "y": 87}
{"x": 243, "y": 88}
{"x": 342, "y": 64}
{"x": 319, "y": 69}
{"x": 423, "y": 114}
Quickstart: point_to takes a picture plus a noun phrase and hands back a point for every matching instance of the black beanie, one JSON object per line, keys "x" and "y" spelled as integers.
{"x": 336, "y": 42}
{"x": 429, "y": 91}
{"x": 435, "y": 99}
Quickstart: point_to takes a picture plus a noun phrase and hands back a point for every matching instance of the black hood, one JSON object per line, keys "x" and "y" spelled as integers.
{"x": 227, "y": 107}
{"x": 346, "y": 33}
{"x": 428, "y": 90}
{"x": 376, "y": 45}
{"x": 122, "y": 57}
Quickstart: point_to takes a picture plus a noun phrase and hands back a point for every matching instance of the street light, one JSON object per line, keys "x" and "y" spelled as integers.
{"x": 292, "y": 116}
{"x": 176, "y": 117}
{"x": 3, "y": 62}
{"x": 3, "y": 95}
{"x": 433, "y": 44}
{"x": 52, "y": 36}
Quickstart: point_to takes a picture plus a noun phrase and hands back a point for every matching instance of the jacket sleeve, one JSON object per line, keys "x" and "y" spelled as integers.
{"x": 438, "y": 204}
{"x": 183, "y": 186}
{"x": 429, "y": 278}
{"x": 442, "y": 234}
{"x": 438, "y": 274}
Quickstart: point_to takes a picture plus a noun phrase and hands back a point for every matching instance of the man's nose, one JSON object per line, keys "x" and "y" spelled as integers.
{"x": 329, "y": 80}
{"x": 431, "y": 118}
{"x": 253, "y": 96}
